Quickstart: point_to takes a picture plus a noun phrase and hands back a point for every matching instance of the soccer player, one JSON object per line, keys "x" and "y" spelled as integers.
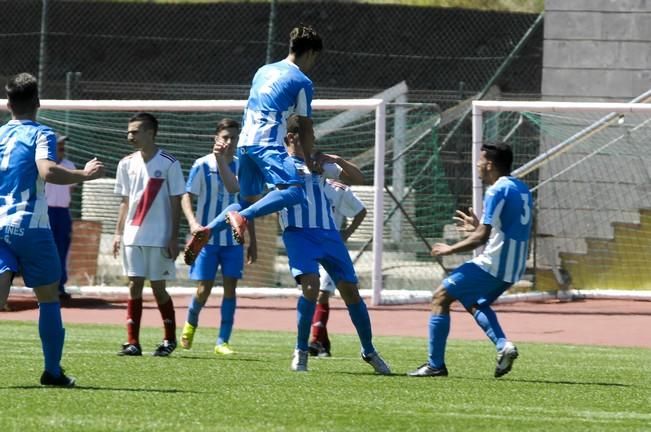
{"x": 213, "y": 183}
{"x": 27, "y": 160}
{"x": 58, "y": 208}
{"x": 504, "y": 230}
{"x": 151, "y": 184}
{"x": 278, "y": 89}
{"x": 312, "y": 238}
{"x": 344, "y": 204}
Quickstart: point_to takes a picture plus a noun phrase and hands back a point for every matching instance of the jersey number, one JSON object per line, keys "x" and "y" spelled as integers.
{"x": 526, "y": 208}
{"x": 9, "y": 144}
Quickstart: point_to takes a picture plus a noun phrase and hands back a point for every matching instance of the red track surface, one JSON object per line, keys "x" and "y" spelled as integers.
{"x": 590, "y": 322}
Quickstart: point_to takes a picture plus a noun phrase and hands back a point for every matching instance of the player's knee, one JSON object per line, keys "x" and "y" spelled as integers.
{"x": 324, "y": 297}
{"x": 441, "y": 300}
{"x": 349, "y": 292}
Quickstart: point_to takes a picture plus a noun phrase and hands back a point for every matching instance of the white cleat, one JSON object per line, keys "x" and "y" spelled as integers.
{"x": 505, "y": 358}
{"x": 299, "y": 361}
{"x": 381, "y": 367}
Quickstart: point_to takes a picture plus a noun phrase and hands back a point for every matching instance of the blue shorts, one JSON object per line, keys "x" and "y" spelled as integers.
{"x": 309, "y": 247}
{"x": 472, "y": 286}
{"x": 230, "y": 258}
{"x": 262, "y": 166}
{"x": 33, "y": 253}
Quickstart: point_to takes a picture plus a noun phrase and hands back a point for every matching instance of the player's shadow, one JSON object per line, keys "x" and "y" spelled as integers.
{"x": 577, "y": 383}
{"x": 98, "y": 388}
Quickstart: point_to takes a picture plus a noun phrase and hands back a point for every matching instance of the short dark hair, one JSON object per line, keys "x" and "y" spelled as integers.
{"x": 226, "y": 123}
{"x": 147, "y": 119}
{"x": 500, "y": 154}
{"x": 292, "y": 124}
{"x": 22, "y": 93}
{"x": 303, "y": 38}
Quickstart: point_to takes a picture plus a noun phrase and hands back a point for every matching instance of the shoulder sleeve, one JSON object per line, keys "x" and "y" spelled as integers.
{"x": 304, "y": 100}
{"x": 331, "y": 171}
{"x": 350, "y": 204}
{"x": 195, "y": 183}
{"x": 122, "y": 179}
{"x": 492, "y": 200}
{"x": 175, "y": 180}
{"x": 46, "y": 145}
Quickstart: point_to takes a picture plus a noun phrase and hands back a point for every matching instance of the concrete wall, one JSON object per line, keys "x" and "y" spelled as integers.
{"x": 596, "y": 50}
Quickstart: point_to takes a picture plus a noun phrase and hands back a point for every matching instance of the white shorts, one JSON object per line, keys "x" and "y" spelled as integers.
{"x": 327, "y": 284}
{"x": 149, "y": 262}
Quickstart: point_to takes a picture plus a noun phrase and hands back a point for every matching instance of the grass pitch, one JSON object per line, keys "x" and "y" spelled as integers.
{"x": 551, "y": 388}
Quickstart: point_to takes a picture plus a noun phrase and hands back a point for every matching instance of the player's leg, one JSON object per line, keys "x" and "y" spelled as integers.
{"x": 133, "y": 263}
{"x": 270, "y": 165}
{"x": 160, "y": 268}
{"x": 61, "y": 225}
{"x": 202, "y": 270}
{"x": 320, "y": 342}
{"x": 8, "y": 268}
{"x": 201, "y": 238}
{"x": 232, "y": 263}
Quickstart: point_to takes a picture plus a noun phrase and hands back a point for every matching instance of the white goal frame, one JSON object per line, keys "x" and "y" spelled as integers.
{"x": 372, "y": 104}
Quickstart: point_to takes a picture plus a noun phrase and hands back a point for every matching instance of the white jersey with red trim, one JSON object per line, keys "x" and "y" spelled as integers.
{"x": 345, "y": 204}
{"x": 149, "y": 186}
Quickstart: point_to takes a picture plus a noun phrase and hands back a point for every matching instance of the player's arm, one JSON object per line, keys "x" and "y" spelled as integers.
{"x": 477, "y": 238}
{"x": 252, "y": 250}
{"x": 354, "y": 224}
{"x": 119, "y": 226}
{"x": 228, "y": 177}
{"x": 52, "y": 173}
{"x": 173, "y": 244}
{"x": 186, "y": 206}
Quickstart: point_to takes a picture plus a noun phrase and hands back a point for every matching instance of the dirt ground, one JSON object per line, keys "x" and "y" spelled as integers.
{"x": 622, "y": 323}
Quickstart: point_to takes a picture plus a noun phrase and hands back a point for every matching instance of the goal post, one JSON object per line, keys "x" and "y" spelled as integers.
{"x": 587, "y": 164}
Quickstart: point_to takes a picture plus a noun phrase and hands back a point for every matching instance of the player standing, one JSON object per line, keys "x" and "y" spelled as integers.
{"x": 213, "y": 182}
{"x": 151, "y": 184}
{"x": 278, "y": 89}
{"x": 27, "y": 160}
{"x": 344, "y": 204}
{"x": 312, "y": 238}
{"x": 504, "y": 229}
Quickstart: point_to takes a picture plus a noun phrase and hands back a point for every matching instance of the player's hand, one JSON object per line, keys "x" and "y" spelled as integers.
{"x": 219, "y": 148}
{"x": 195, "y": 227}
{"x": 252, "y": 253}
{"x": 173, "y": 249}
{"x": 117, "y": 239}
{"x": 440, "y": 249}
{"x": 466, "y": 222}
{"x": 94, "y": 169}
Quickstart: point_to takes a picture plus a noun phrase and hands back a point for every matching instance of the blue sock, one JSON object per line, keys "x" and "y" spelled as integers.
{"x": 362, "y": 322}
{"x": 487, "y": 320}
{"x": 305, "y": 312}
{"x": 50, "y": 329}
{"x": 219, "y": 223}
{"x": 228, "y": 317}
{"x": 274, "y": 201}
{"x": 439, "y": 329}
{"x": 194, "y": 310}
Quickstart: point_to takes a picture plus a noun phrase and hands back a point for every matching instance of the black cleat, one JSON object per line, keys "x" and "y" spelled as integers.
{"x": 47, "y": 379}
{"x": 426, "y": 370}
{"x": 165, "y": 348}
{"x": 130, "y": 350}
{"x": 317, "y": 349}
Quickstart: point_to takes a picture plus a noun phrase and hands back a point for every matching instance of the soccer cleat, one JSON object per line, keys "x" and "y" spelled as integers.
{"x": 187, "y": 335}
{"x": 299, "y": 361}
{"x": 165, "y": 348}
{"x": 197, "y": 242}
{"x": 426, "y": 370}
{"x": 47, "y": 379}
{"x": 505, "y": 358}
{"x": 130, "y": 350}
{"x": 317, "y": 349}
{"x": 238, "y": 225}
{"x": 378, "y": 363}
{"x": 224, "y": 349}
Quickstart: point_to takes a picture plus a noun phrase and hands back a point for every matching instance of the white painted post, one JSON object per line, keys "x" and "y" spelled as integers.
{"x": 398, "y": 180}
{"x": 378, "y": 201}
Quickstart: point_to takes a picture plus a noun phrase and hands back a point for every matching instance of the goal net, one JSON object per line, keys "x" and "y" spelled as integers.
{"x": 589, "y": 167}
{"x": 392, "y": 143}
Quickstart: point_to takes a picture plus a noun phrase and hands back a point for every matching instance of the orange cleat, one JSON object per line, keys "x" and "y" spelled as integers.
{"x": 197, "y": 242}
{"x": 238, "y": 225}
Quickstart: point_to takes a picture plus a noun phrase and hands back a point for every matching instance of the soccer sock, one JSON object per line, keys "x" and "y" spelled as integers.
{"x": 194, "y": 309}
{"x": 362, "y": 322}
{"x": 274, "y": 201}
{"x": 439, "y": 329}
{"x": 319, "y": 323}
{"x": 228, "y": 317}
{"x": 487, "y": 319}
{"x": 52, "y": 334}
{"x": 304, "y": 314}
{"x": 134, "y": 315}
{"x": 219, "y": 223}
{"x": 169, "y": 319}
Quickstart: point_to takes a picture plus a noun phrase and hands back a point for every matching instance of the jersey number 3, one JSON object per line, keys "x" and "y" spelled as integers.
{"x": 526, "y": 209}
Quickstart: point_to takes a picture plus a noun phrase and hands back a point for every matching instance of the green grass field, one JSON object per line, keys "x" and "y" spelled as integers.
{"x": 552, "y": 387}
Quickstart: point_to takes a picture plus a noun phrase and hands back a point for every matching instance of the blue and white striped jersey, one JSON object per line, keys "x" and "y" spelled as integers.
{"x": 316, "y": 210}
{"x": 507, "y": 209}
{"x": 22, "y": 191}
{"x": 206, "y": 184}
{"x": 278, "y": 90}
